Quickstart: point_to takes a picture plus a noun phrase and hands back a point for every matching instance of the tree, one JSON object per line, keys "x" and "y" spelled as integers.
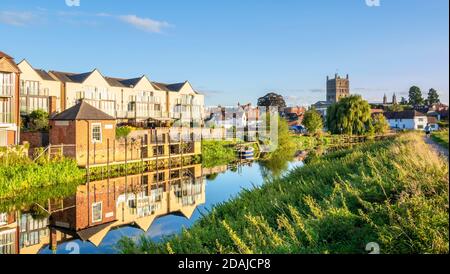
{"x": 433, "y": 97}
{"x": 351, "y": 115}
{"x": 403, "y": 101}
{"x": 415, "y": 96}
{"x": 380, "y": 124}
{"x": 312, "y": 121}
{"x": 38, "y": 120}
{"x": 396, "y": 108}
{"x": 272, "y": 100}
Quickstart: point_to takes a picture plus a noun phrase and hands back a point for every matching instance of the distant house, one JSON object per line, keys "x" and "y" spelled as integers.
{"x": 433, "y": 122}
{"x": 294, "y": 115}
{"x": 322, "y": 107}
{"x": 408, "y": 119}
{"x": 228, "y": 119}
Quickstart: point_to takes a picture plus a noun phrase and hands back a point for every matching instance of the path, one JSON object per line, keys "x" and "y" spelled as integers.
{"x": 440, "y": 149}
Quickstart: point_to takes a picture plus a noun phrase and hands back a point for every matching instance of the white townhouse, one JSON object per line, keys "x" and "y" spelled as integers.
{"x": 407, "y": 119}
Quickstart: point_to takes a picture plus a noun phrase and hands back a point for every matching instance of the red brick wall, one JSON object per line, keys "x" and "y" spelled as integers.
{"x": 62, "y": 134}
{"x": 35, "y": 139}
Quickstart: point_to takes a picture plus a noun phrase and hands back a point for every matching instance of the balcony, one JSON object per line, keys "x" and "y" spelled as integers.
{"x": 6, "y": 118}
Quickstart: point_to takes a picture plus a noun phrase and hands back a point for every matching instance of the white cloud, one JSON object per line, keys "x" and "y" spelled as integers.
{"x": 15, "y": 18}
{"x": 145, "y": 24}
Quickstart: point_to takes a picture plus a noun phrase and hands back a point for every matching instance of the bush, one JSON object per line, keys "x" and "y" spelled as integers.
{"x": 37, "y": 121}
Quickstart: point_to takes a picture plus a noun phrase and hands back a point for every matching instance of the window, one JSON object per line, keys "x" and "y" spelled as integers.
{"x": 97, "y": 212}
{"x": 96, "y": 133}
{"x": 420, "y": 126}
{"x": 7, "y": 242}
{"x": 3, "y": 218}
{"x": 420, "y": 119}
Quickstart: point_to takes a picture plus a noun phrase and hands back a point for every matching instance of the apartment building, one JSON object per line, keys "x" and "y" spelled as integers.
{"x": 38, "y": 90}
{"x": 90, "y": 86}
{"x": 9, "y": 103}
{"x": 138, "y": 99}
{"x": 184, "y": 103}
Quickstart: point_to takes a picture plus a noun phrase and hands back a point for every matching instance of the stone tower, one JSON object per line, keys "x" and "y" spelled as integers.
{"x": 394, "y": 99}
{"x": 337, "y": 88}
{"x": 385, "y": 99}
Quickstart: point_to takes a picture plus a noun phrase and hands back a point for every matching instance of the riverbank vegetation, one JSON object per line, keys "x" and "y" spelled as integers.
{"x": 20, "y": 176}
{"x": 392, "y": 192}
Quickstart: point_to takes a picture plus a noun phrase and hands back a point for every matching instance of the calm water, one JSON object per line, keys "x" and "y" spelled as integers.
{"x": 191, "y": 199}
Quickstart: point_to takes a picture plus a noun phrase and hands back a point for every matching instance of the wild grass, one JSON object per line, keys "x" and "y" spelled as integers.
{"x": 441, "y": 137}
{"x": 392, "y": 192}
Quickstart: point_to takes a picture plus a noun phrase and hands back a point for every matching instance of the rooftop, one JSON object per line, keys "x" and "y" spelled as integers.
{"x": 82, "y": 111}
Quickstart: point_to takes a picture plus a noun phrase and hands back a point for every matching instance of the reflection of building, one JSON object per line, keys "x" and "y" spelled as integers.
{"x": 9, "y": 101}
{"x": 135, "y": 200}
{"x": 99, "y": 206}
{"x": 8, "y": 233}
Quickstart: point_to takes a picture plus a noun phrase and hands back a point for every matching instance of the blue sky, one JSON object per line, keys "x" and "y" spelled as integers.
{"x": 234, "y": 50}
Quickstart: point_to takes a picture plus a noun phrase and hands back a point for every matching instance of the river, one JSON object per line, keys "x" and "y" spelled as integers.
{"x": 94, "y": 219}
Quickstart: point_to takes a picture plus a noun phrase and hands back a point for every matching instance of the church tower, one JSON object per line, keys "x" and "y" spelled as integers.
{"x": 337, "y": 88}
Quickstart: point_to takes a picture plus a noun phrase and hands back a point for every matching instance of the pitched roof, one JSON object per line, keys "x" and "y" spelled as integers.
{"x": 176, "y": 86}
{"x": 131, "y": 82}
{"x": 169, "y": 87}
{"x": 2, "y": 54}
{"x": 114, "y": 82}
{"x": 10, "y": 60}
{"x": 71, "y": 77}
{"x": 63, "y": 76}
{"x": 406, "y": 114}
{"x": 44, "y": 75}
{"x": 82, "y": 111}
{"x": 160, "y": 86}
{"x": 432, "y": 120}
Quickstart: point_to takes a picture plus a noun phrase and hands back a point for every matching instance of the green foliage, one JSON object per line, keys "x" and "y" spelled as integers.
{"x": 313, "y": 121}
{"x": 415, "y": 96}
{"x": 216, "y": 153}
{"x": 380, "y": 124}
{"x": 351, "y": 115}
{"x": 123, "y": 132}
{"x": 396, "y": 108}
{"x": 394, "y": 193}
{"x": 272, "y": 100}
{"x": 433, "y": 97}
{"x": 22, "y": 176}
{"x": 37, "y": 120}
{"x": 441, "y": 137}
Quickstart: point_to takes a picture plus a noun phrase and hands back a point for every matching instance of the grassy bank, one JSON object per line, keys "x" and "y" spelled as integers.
{"x": 23, "y": 177}
{"x": 392, "y": 192}
{"x": 441, "y": 137}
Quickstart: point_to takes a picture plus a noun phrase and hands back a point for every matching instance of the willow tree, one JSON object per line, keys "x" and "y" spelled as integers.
{"x": 351, "y": 115}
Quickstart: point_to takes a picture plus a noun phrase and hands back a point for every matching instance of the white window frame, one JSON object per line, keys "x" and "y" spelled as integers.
{"x": 101, "y": 212}
{"x": 94, "y": 125}
{"x": 3, "y": 218}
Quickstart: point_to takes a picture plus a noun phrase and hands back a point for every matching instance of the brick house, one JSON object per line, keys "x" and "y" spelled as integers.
{"x": 82, "y": 129}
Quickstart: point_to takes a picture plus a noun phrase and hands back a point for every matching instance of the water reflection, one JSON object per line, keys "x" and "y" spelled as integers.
{"x": 157, "y": 203}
